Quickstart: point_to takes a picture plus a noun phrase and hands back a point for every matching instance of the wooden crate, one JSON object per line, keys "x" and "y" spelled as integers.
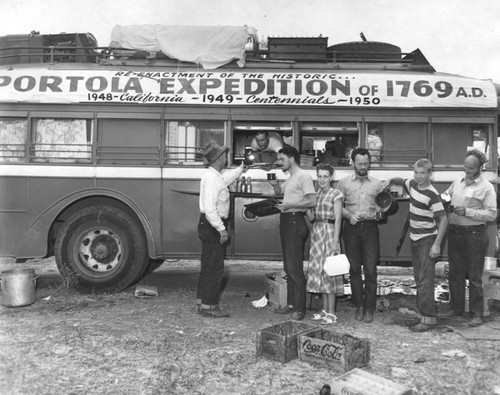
{"x": 359, "y": 382}
{"x": 279, "y": 342}
{"x": 334, "y": 350}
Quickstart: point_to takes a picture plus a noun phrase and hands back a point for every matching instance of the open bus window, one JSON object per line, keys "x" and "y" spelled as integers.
{"x": 259, "y": 142}
{"x": 328, "y": 142}
{"x": 453, "y": 140}
{"x": 13, "y": 134}
{"x": 396, "y": 143}
{"x": 62, "y": 140}
{"x": 185, "y": 140}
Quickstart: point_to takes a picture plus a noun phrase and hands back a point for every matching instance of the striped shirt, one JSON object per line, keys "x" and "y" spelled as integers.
{"x": 425, "y": 206}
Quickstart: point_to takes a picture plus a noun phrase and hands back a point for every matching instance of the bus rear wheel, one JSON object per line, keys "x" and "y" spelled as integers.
{"x": 101, "y": 249}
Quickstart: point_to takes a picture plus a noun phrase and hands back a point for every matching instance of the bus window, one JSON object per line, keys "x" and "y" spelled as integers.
{"x": 62, "y": 140}
{"x": 328, "y": 142}
{"x": 249, "y": 138}
{"x": 452, "y": 140}
{"x": 128, "y": 141}
{"x": 185, "y": 140}
{"x": 396, "y": 143}
{"x": 13, "y": 134}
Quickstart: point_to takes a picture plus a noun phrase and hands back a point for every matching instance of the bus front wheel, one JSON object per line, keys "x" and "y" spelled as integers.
{"x": 101, "y": 249}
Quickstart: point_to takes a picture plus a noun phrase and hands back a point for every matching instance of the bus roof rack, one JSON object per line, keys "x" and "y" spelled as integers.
{"x": 311, "y": 52}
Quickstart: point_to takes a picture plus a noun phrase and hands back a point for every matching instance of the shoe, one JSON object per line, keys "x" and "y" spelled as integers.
{"x": 296, "y": 316}
{"x": 318, "y": 317}
{"x": 476, "y": 321}
{"x": 450, "y": 314}
{"x": 284, "y": 310}
{"x": 329, "y": 319}
{"x": 359, "y": 314}
{"x": 368, "y": 316}
{"x": 421, "y": 327}
{"x": 213, "y": 312}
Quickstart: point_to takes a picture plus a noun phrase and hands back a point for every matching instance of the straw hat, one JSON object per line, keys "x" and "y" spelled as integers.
{"x": 212, "y": 152}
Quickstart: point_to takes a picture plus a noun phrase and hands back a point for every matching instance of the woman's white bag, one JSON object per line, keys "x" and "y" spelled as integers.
{"x": 336, "y": 265}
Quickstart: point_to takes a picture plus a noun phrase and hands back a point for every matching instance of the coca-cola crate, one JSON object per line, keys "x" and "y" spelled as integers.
{"x": 334, "y": 350}
{"x": 359, "y": 382}
{"x": 279, "y": 342}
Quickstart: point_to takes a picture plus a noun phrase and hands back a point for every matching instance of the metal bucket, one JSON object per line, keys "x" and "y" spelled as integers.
{"x": 18, "y": 287}
{"x": 490, "y": 263}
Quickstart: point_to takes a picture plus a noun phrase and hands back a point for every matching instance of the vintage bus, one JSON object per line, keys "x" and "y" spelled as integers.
{"x": 101, "y": 148}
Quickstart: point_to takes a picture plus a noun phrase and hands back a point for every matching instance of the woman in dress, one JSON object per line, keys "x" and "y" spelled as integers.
{"x": 325, "y": 241}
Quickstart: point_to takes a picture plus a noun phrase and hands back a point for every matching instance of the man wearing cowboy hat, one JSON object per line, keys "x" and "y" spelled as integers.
{"x": 212, "y": 227}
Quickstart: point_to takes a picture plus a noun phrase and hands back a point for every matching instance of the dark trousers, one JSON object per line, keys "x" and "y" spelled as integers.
{"x": 467, "y": 247}
{"x": 212, "y": 263}
{"x": 362, "y": 250}
{"x": 293, "y": 233}
{"x": 423, "y": 271}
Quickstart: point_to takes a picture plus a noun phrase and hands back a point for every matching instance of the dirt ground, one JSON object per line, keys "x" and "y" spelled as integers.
{"x": 70, "y": 343}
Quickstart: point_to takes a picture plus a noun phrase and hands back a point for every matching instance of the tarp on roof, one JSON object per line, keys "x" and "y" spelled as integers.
{"x": 209, "y": 46}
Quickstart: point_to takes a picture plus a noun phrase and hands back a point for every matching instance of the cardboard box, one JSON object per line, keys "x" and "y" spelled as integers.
{"x": 491, "y": 284}
{"x": 276, "y": 288}
{"x": 279, "y": 342}
{"x": 359, "y": 382}
{"x": 334, "y": 350}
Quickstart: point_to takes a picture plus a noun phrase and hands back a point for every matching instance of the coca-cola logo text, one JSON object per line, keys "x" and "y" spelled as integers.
{"x": 329, "y": 351}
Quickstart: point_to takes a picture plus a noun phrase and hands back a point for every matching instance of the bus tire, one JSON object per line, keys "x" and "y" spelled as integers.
{"x": 101, "y": 249}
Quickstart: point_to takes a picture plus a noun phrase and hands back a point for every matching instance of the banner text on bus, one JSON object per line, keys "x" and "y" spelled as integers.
{"x": 240, "y": 88}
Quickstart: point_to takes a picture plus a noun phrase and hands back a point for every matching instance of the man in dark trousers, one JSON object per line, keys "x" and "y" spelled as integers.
{"x": 298, "y": 195}
{"x": 360, "y": 232}
{"x": 474, "y": 203}
{"x": 212, "y": 227}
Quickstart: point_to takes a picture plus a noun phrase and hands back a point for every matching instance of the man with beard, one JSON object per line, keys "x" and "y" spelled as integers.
{"x": 360, "y": 232}
{"x": 474, "y": 204}
{"x": 298, "y": 195}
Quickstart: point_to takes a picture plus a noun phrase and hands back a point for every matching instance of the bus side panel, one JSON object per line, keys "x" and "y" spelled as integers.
{"x": 145, "y": 194}
{"x": 390, "y": 233}
{"x": 181, "y": 213}
{"x": 44, "y": 193}
{"x": 13, "y": 205}
{"x": 258, "y": 238}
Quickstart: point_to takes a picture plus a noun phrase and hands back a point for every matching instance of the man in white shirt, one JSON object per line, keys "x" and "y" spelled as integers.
{"x": 265, "y": 146}
{"x": 213, "y": 227}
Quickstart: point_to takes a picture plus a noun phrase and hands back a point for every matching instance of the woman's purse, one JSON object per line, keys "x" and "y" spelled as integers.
{"x": 336, "y": 265}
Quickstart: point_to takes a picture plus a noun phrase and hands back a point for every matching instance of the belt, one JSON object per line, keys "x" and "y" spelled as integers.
{"x": 202, "y": 215}
{"x": 468, "y": 228}
{"x": 329, "y": 221}
{"x": 298, "y": 213}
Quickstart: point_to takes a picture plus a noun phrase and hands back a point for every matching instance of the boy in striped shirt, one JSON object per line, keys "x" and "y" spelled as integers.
{"x": 428, "y": 223}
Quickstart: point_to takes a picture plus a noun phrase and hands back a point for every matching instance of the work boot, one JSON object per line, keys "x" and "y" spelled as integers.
{"x": 284, "y": 310}
{"x": 359, "y": 314}
{"x": 212, "y": 311}
{"x": 476, "y": 321}
{"x": 450, "y": 314}
{"x": 296, "y": 316}
{"x": 368, "y": 316}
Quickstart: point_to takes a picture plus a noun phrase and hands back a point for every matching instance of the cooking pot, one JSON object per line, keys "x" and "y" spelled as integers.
{"x": 18, "y": 287}
{"x": 387, "y": 203}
